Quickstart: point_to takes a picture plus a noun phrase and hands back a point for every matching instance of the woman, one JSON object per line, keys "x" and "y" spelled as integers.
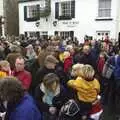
{"x": 50, "y": 96}
{"x": 30, "y": 52}
{"x": 19, "y": 105}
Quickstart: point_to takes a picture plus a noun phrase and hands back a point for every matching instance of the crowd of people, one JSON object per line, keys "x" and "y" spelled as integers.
{"x": 56, "y": 79}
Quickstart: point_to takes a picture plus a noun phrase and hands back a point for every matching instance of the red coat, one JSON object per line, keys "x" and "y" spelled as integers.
{"x": 96, "y": 108}
{"x": 100, "y": 64}
{"x": 67, "y": 64}
{"x": 25, "y": 77}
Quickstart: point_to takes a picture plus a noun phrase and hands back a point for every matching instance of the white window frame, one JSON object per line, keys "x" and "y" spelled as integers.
{"x": 102, "y": 34}
{"x": 105, "y": 9}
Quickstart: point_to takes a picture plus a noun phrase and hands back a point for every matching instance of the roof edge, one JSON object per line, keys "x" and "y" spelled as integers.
{"x": 22, "y": 1}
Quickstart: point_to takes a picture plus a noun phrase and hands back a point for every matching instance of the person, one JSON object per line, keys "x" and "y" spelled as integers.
{"x": 86, "y": 86}
{"x": 19, "y": 104}
{"x": 87, "y": 57}
{"x": 50, "y": 96}
{"x": 67, "y": 62}
{"x": 23, "y": 75}
{"x": 5, "y": 69}
{"x": 30, "y": 52}
{"x": 11, "y": 57}
{"x": 49, "y": 67}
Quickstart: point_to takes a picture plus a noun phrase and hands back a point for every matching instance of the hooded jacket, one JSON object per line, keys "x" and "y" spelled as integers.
{"x": 26, "y": 109}
{"x": 87, "y": 91}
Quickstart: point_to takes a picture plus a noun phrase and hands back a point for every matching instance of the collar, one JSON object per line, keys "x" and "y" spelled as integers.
{"x": 43, "y": 89}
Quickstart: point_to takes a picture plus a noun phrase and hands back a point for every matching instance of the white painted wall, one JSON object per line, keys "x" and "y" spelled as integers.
{"x": 86, "y": 13}
{"x": 1, "y": 7}
{"x": 118, "y": 18}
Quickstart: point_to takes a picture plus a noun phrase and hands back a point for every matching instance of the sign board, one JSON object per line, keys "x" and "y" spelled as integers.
{"x": 70, "y": 23}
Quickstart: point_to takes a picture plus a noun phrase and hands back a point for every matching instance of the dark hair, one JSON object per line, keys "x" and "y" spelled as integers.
{"x": 20, "y": 57}
{"x": 49, "y": 79}
{"x": 11, "y": 90}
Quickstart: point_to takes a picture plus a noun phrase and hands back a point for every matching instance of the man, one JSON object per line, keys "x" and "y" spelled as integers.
{"x": 87, "y": 57}
{"x": 49, "y": 67}
{"x": 23, "y": 75}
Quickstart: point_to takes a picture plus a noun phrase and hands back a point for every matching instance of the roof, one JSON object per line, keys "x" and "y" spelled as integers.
{"x": 21, "y": 1}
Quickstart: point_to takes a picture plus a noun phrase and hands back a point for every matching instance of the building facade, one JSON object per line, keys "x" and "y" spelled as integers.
{"x": 69, "y": 18}
{"x": 2, "y": 29}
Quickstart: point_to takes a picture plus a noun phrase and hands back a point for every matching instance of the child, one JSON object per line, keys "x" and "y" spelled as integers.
{"x": 5, "y": 69}
{"x": 86, "y": 85}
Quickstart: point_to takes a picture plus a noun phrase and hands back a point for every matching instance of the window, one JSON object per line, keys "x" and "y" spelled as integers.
{"x": 37, "y": 34}
{"x": 45, "y": 8}
{"x": 44, "y": 34}
{"x": 102, "y": 34}
{"x": 104, "y": 8}
{"x": 65, "y": 10}
{"x": 65, "y": 34}
{"x": 31, "y": 13}
{"x": 32, "y": 34}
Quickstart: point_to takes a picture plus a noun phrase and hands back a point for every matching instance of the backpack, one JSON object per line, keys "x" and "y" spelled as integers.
{"x": 69, "y": 111}
{"x": 108, "y": 68}
{"x": 117, "y": 68}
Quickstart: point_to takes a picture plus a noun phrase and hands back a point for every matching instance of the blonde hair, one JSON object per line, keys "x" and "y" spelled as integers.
{"x": 77, "y": 66}
{"x": 66, "y": 54}
{"x": 4, "y": 63}
{"x": 87, "y": 72}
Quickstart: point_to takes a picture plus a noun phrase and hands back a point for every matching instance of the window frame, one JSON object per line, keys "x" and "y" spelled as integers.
{"x": 30, "y": 18}
{"x": 68, "y": 13}
{"x": 103, "y": 15}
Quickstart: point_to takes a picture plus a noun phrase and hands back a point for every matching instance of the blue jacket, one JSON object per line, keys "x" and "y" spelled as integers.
{"x": 25, "y": 110}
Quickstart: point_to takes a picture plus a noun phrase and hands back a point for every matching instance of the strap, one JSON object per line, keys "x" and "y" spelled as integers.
{"x": 116, "y": 60}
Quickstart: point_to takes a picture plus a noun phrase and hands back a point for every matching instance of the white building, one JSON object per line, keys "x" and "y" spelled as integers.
{"x": 2, "y": 30}
{"x": 69, "y": 18}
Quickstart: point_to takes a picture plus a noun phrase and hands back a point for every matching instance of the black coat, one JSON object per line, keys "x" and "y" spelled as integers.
{"x": 32, "y": 66}
{"x": 41, "y": 73}
{"x": 88, "y": 59}
{"x": 57, "y": 101}
{"x": 58, "y": 71}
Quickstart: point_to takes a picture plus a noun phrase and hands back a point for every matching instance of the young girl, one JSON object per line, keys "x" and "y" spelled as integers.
{"x": 86, "y": 85}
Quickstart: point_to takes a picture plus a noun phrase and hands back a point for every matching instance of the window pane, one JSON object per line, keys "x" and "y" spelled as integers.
{"x": 32, "y": 11}
{"x": 98, "y": 33}
{"x": 108, "y": 12}
{"x": 108, "y": 4}
{"x": 101, "y": 3}
{"x": 104, "y": 8}
{"x": 104, "y": 3}
{"x": 66, "y": 8}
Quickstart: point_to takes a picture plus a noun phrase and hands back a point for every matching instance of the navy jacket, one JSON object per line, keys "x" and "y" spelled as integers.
{"x": 26, "y": 109}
